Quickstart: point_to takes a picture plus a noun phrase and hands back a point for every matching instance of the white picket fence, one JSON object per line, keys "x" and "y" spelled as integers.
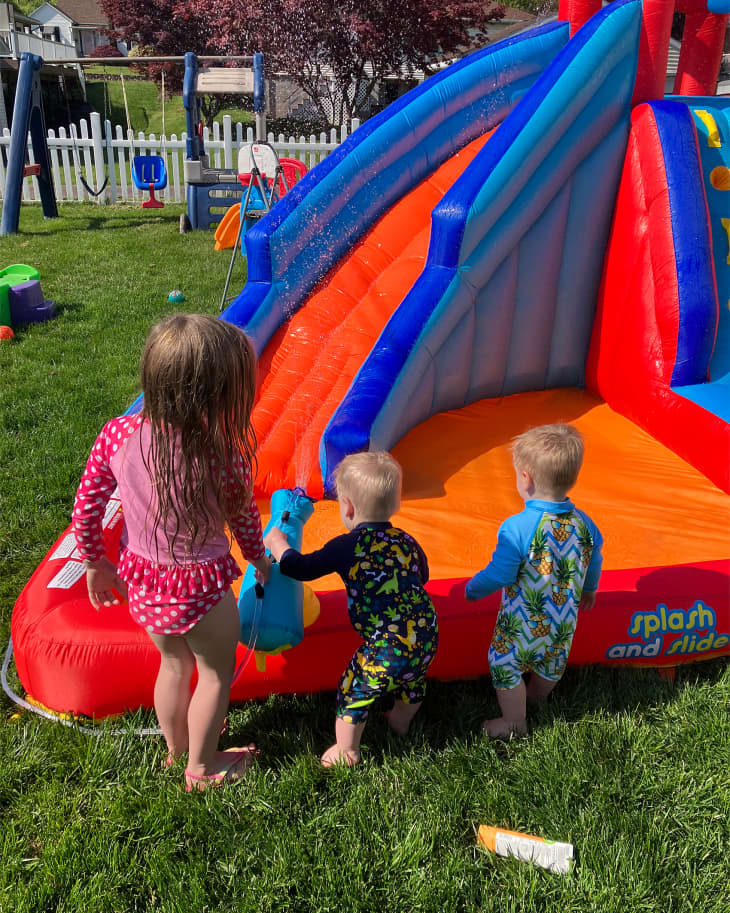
{"x": 95, "y": 153}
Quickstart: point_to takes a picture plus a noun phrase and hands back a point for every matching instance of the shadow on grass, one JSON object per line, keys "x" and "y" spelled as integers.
{"x": 618, "y": 689}
{"x": 287, "y": 728}
{"x": 123, "y": 218}
{"x": 293, "y": 730}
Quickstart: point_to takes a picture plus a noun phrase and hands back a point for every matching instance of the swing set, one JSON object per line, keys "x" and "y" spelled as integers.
{"x": 72, "y": 129}
{"x": 149, "y": 172}
{"x": 28, "y": 121}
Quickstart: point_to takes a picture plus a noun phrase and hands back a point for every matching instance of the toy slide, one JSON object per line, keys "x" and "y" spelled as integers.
{"x": 666, "y": 284}
{"x": 227, "y": 231}
{"x": 310, "y": 363}
{"x": 468, "y": 324}
{"x": 308, "y": 232}
{"x": 489, "y": 252}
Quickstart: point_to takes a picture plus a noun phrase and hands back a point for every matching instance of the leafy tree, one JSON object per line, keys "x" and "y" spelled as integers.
{"x": 336, "y": 51}
{"x": 166, "y": 28}
{"x": 106, "y": 50}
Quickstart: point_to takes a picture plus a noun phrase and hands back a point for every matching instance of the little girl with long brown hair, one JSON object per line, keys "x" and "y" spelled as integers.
{"x": 184, "y": 469}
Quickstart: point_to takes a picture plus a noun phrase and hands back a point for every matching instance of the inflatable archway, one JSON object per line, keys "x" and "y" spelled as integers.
{"x": 529, "y": 236}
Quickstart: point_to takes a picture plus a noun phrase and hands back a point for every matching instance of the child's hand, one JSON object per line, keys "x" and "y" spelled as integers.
{"x": 588, "y": 601}
{"x": 101, "y": 580}
{"x": 263, "y": 569}
{"x": 276, "y": 542}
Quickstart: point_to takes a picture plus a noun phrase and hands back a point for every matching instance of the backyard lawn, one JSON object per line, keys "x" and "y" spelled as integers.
{"x": 145, "y": 106}
{"x": 632, "y": 769}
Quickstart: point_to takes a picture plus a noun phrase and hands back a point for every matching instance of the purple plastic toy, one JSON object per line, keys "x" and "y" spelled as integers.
{"x": 27, "y": 304}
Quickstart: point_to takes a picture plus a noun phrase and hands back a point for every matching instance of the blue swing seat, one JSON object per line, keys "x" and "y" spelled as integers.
{"x": 149, "y": 169}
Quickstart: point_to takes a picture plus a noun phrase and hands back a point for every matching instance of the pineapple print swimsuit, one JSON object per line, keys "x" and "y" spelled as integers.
{"x": 384, "y": 571}
{"x": 545, "y": 557}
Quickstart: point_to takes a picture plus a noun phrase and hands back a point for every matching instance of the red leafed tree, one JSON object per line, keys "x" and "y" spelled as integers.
{"x": 166, "y": 28}
{"x": 337, "y": 51}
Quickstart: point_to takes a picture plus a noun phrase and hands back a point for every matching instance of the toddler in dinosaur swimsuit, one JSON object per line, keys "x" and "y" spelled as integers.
{"x": 384, "y": 570}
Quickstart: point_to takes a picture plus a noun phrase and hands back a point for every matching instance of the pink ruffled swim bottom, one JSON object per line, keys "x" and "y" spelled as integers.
{"x": 163, "y": 614}
{"x": 173, "y": 599}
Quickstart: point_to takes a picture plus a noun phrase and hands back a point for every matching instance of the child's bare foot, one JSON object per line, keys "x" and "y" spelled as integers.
{"x": 229, "y": 767}
{"x": 500, "y": 728}
{"x": 335, "y": 754}
{"x": 400, "y": 717}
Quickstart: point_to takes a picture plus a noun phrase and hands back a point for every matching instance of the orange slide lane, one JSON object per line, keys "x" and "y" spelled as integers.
{"x": 311, "y": 360}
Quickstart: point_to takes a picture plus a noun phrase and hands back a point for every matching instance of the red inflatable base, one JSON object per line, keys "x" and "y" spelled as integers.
{"x": 664, "y": 596}
{"x": 73, "y": 659}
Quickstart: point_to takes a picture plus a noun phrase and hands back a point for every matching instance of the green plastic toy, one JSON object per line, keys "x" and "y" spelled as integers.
{"x": 10, "y": 276}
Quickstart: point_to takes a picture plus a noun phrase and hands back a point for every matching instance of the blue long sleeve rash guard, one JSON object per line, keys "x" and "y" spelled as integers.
{"x": 514, "y": 541}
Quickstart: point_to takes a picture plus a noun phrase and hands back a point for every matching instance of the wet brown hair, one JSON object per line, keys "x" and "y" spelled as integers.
{"x": 199, "y": 383}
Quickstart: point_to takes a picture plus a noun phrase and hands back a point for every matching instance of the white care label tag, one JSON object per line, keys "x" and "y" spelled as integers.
{"x": 113, "y": 509}
{"x": 74, "y": 570}
{"x": 69, "y": 574}
{"x": 66, "y": 548}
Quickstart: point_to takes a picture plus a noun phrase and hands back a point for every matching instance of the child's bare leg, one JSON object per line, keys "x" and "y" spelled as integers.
{"x": 213, "y": 641}
{"x": 538, "y": 689}
{"x": 512, "y": 703}
{"x": 401, "y": 716}
{"x": 172, "y": 691}
{"x": 346, "y": 749}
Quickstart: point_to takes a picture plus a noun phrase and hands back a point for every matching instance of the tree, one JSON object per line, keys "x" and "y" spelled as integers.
{"x": 106, "y": 50}
{"x": 166, "y": 28}
{"x": 336, "y": 51}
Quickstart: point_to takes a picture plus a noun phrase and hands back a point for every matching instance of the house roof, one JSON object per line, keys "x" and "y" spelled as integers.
{"x": 513, "y": 15}
{"x": 82, "y": 12}
{"x": 513, "y": 22}
{"x": 49, "y": 6}
{"x": 21, "y": 18}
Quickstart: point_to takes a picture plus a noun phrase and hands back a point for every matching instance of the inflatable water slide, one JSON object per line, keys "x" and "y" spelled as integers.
{"x": 519, "y": 240}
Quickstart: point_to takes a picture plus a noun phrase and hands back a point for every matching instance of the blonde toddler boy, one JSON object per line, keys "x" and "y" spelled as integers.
{"x": 384, "y": 571}
{"x": 548, "y": 564}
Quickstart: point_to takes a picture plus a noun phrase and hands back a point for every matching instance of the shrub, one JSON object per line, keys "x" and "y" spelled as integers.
{"x": 106, "y": 50}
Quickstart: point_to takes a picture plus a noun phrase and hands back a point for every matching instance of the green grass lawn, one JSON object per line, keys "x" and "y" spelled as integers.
{"x": 632, "y": 769}
{"x": 145, "y": 107}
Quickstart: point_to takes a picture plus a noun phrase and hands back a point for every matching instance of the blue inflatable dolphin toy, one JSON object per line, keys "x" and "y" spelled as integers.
{"x": 272, "y": 616}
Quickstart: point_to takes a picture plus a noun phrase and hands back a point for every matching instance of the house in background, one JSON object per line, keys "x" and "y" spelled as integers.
{"x": 511, "y": 23}
{"x": 286, "y": 100}
{"x": 20, "y": 33}
{"x": 78, "y": 22}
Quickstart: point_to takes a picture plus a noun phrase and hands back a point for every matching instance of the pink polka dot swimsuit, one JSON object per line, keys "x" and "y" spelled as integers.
{"x": 168, "y": 593}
